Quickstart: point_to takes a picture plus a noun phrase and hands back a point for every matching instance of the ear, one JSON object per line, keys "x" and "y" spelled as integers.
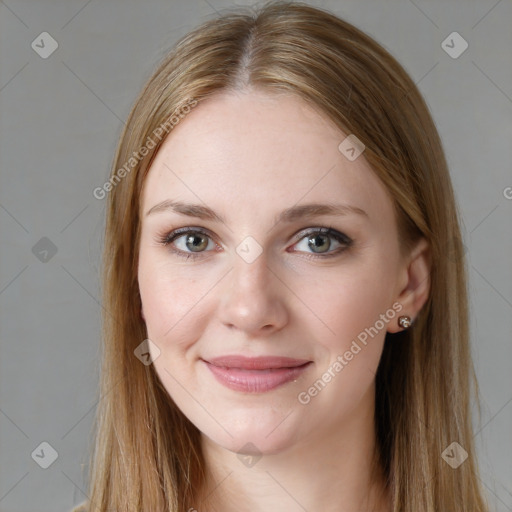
{"x": 414, "y": 283}
{"x": 142, "y": 313}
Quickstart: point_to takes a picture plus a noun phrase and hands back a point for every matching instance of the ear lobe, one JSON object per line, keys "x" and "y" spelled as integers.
{"x": 142, "y": 314}
{"x": 415, "y": 293}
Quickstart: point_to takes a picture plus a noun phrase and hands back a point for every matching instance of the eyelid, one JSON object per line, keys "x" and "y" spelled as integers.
{"x": 323, "y": 230}
{"x": 175, "y": 233}
{"x": 168, "y": 237}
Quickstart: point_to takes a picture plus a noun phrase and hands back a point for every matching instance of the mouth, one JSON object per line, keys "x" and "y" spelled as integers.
{"x": 256, "y": 374}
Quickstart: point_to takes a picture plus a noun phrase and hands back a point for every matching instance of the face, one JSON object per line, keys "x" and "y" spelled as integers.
{"x": 266, "y": 315}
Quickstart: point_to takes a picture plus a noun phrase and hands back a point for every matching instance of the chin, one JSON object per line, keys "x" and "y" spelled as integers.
{"x": 255, "y": 438}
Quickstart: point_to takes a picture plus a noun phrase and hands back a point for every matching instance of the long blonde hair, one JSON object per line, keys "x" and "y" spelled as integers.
{"x": 146, "y": 453}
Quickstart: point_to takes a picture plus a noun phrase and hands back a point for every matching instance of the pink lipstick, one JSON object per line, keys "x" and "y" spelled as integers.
{"x": 255, "y": 374}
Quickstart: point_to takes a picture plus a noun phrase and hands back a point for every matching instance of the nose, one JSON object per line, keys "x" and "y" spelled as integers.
{"x": 253, "y": 298}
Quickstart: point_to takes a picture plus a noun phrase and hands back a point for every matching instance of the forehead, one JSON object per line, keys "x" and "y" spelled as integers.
{"x": 248, "y": 152}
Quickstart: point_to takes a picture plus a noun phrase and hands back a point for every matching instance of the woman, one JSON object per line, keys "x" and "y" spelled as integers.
{"x": 285, "y": 290}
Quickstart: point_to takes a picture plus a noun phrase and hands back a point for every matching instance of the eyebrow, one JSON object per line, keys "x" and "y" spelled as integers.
{"x": 289, "y": 215}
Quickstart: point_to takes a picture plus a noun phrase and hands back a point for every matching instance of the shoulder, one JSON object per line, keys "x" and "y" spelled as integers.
{"x": 80, "y": 508}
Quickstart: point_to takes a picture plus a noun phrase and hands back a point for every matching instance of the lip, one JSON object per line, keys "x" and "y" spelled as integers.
{"x": 256, "y": 374}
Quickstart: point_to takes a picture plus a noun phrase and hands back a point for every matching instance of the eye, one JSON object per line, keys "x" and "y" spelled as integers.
{"x": 323, "y": 242}
{"x": 188, "y": 242}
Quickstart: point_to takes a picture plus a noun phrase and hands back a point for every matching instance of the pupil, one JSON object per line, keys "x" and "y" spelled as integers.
{"x": 196, "y": 243}
{"x": 314, "y": 245}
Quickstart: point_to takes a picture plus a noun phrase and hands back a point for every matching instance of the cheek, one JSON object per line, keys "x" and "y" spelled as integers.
{"x": 173, "y": 302}
{"x": 350, "y": 303}
{"x": 353, "y": 309}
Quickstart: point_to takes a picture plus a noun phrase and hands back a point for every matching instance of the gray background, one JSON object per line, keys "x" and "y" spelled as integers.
{"x": 60, "y": 121}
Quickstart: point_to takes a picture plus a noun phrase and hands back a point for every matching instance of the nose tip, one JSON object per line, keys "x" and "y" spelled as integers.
{"x": 252, "y": 299}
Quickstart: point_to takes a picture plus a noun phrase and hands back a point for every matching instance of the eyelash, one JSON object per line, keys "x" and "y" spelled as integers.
{"x": 167, "y": 238}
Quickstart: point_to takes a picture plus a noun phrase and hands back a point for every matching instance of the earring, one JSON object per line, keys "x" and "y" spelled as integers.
{"x": 405, "y": 322}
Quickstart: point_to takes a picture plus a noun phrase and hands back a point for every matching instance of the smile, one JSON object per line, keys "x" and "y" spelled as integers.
{"x": 256, "y": 375}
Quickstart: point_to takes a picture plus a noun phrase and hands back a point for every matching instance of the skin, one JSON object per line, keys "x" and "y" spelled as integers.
{"x": 248, "y": 156}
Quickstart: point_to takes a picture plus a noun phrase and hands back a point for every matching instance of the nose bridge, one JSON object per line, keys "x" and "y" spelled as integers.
{"x": 250, "y": 280}
{"x": 250, "y": 267}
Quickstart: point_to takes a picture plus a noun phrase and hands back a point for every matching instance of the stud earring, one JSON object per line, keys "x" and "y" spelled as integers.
{"x": 405, "y": 322}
